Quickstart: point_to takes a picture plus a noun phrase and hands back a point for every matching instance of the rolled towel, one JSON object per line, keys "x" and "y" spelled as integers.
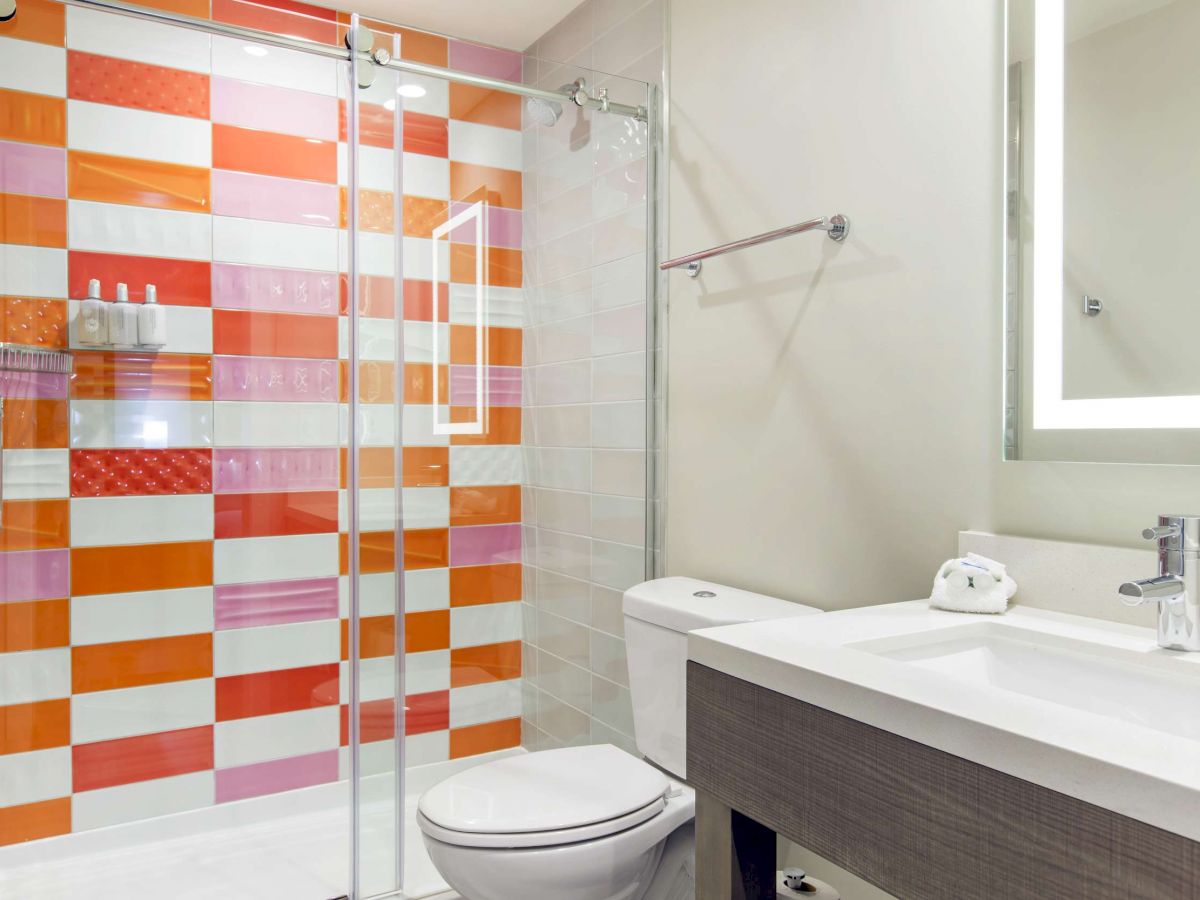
{"x": 973, "y": 584}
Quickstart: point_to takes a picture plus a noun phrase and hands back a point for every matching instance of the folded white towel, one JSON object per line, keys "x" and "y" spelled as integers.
{"x": 973, "y": 584}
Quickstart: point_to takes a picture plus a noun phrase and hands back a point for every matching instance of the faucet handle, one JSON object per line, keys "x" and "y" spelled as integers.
{"x": 1178, "y": 533}
{"x": 1158, "y": 532}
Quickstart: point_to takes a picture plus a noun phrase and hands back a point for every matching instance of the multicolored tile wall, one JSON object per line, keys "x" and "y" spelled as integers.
{"x": 174, "y": 574}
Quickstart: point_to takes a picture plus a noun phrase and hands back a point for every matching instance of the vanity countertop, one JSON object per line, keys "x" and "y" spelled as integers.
{"x": 1090, "y": 708}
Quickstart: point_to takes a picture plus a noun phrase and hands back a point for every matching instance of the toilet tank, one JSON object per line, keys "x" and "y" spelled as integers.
{"x": 658, "y": 616}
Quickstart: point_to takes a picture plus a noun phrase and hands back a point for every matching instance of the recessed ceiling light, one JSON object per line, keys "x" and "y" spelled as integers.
{"x": 411, "y": 90}
{"x": 255, "y": 50}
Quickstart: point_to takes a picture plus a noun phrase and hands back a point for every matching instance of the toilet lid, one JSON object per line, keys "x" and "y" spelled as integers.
{"x": 544, "y": 791}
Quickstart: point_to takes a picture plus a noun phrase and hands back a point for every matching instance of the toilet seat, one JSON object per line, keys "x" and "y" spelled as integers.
{"x": 543, "y": 799}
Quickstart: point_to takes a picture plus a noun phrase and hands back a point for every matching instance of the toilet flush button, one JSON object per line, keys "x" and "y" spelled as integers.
{"x": 705, "y": 594}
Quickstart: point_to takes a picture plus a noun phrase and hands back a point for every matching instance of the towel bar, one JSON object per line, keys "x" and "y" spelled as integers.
{"x": 837, "y": 226}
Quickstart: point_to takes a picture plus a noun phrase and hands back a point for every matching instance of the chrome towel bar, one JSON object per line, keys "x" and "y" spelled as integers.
{"x": 837, "y": 227}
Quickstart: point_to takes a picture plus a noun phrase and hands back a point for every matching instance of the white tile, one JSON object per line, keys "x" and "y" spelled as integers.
{"x": 268, "y": 648}
{"x": 34, "y": 675}
{"x": 426, "y": 589}
{"x": 621, "y": 519}
{"x": 418, "y": 342}
{"x": 265, "y": 424}
{"x": 376, "y": 339}
{"x": 35, "y": 776}
{"x": 485, "y": 623}
{"x": 141, "y": 800}
{"x": 107, "y": 618}
{"x": 488, "y": 702}
{"x": 621, "y": 377}
{"x": 376, "y": 425}
{"x": 150, "y": 709}
{"x": 377, "y": 679}
{"x": 36, "y": 474}
{"x": 418, "y": 425}
{"x": 619, "y": 426}
{"x": 376, "y": 168}
{"x": 33, "y": 271}
{"x": 138, "y": 133}
{"x": 503, "y": 307}
{"x": 189, "y": 328}
{"x": 376, "y": 594}
{"x": 621, "y": 330}
{"x": 557, "y": 467}
{"x": 271, "y": 558}
{"x": 260, "y": 738}
{"x": 559, "y": 341}
{"x": 620, "y": 283}
{"x": 427, "y": 672}
{"x": 149, "y": 42}
{"x": 109, "y": 228}
{"x": 426, "y": 507}
{"x": 434, "y": 102}
{"x": 141, "y": 423}
{"x": 485, "y": 145}
{"x": 275, "y": 65}
{"x": 619, "y": 472}
{"x": 276, "y": 244}
{"x": 33, "y": 67}
{"x": 491, "y": 464}
{"x": 422, "y": 749}
{"x": 618, "y": 566}
{"x": 101, "y": 521}
{"x": 557, "y": 383}
{"x": 376, "y": 510}
{"x": 424, "y": 176}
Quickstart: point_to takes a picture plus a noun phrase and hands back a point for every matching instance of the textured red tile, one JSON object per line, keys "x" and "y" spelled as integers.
{"x": 122, "y": 82}
{"x": 128, "y": 760}
{"x": 126, "y": 473}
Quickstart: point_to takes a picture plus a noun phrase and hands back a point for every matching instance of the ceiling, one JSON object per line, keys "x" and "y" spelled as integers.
{"x": 512, "y": 23}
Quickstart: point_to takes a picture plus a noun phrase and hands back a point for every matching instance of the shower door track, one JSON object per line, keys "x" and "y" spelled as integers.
{"x": 600, "y": 103}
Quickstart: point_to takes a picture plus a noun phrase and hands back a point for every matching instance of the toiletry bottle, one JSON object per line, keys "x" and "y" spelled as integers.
{"x": 123, "y": 321}
{"x": 152, "y": 322}
{"x": 93, "y": 317}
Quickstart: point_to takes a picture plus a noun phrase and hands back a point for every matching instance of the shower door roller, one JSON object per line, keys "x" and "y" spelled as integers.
{"x": 361, "y": 39}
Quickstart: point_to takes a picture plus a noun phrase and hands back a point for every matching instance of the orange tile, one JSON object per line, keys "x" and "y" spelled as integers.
{"x": 503, "y": 267}
{"x": 35, "y": 424}
{"x": 485, "y": 505}
{"x": 281, "y": 17}
{"x": 35, "y": 525}
{"x": 273, "y": 514}
{"x": 34, "y": 221}
{"x": 500, "y": 187}
{"x": 123, "y": 82}
{"x": 376, "y": 467}
{"x": 418, "y": 383}
{"x": 476, "y": 739}
{"x": 121, "y": 375}
{"x": 503, "y": 346}
{"x": 422, "y": 215}
{"x": 35, "y": 726}
{"x": 137, "y": 182}
{"x": 197, "y": 9}
{"x": 376, "y": 210}
{"x": 491, "y": 662}
{"x": 34, "y": 625}
{"x": 483, "y": 106}
{"x": 33, "y": 118}
{"x": 428, "y": 135}
{"x": 426, "y": 548}
{"x": 376, "y": 552}
{"x": 267, "y": 153}
{"x": 501, "y": 425}
{"x": 427, "y": 631}
{"x": 376, "y": 381}
{"x": 426, "y": 466}
{"x": 472, "y": 585}
{"x": 43, "y": 21}
{"x": 33, "y": 821}
{"x": 377, "y": 637}
{"x": 34, "y": 320}
{"x": 106, "y": 667}
{"x": 141, "y": 567}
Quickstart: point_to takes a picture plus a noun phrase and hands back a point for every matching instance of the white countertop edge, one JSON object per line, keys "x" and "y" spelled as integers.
{"x": 1161, "y": 802}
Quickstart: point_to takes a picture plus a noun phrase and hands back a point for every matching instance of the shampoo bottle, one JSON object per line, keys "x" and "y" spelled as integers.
{"x": 152, "y": 322}
{"x": 93, "y": 317}
{"x": 123, "y": 321}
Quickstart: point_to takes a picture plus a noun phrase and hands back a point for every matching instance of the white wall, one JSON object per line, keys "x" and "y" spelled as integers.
{"x": 834, "y": 412}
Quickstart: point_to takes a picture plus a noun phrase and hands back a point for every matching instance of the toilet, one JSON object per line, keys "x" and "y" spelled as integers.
{"x": 595, "y": 822}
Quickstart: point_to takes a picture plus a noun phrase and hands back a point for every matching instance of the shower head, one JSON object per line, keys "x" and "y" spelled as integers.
{"x": 8, "y": 9}
{"x": 543, "y": 112}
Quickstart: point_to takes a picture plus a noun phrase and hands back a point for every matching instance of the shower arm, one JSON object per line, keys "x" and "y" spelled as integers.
{"x": 378, "y": 57}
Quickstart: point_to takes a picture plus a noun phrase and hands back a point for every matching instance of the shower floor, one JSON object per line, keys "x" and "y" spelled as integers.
{"x": 285, "y": 847}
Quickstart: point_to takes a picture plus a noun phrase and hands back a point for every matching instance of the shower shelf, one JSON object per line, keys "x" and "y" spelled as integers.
{"x": 27, "y": 358}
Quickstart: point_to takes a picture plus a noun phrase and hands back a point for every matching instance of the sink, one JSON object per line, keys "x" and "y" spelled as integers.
{"x": 1152, "y": 690}
{"x": 1090, "y": 708}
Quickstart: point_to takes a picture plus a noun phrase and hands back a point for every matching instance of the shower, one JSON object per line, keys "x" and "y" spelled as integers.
{"x": 547, "y": 112}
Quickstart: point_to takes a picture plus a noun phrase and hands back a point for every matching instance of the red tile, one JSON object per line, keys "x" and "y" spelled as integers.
{"x": 121, "y": 82}
{"x": 128, "y": 760}
{"x": 429, "y": 135}
{"x": 426, "y": 134}
{"x": 126, "y": 473}
{"x": 313, "y": 23}
{"x": 180, "y": 282}
{"x": 267, "y": 153}
{"x": 266, "y": 693}
{"x": 239, "y": 333}
{"x": 263, "y": 515}
{"x": 423, "y": 713}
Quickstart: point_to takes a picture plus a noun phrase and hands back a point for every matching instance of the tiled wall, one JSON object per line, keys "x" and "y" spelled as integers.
{"x": 173, "y": 586}
{"x": 585, "y": 365}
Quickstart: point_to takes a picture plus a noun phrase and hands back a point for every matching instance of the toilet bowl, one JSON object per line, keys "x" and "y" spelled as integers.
{"x": 595, "y": 822}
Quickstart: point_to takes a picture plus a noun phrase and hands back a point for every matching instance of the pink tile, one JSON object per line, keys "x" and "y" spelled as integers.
{"x": 259, "y": 779}
{"x": 503, "y": 226}
{"x": 481, "y": 545}
{"x": 275, "y": 602}
{"x": 34, "y": 575}
{"x": 504, "y": 386}
{"x": 32, "y": 385}
{"x": 489, "y": 61}
{"x": 274, "y": 290}
{"x": 274, "y": 199}
{"x": 270, "y": 378}
{"x": 275, "y": 109}
{"x": 31, "y": 169}
{"x": 244, "y": 471}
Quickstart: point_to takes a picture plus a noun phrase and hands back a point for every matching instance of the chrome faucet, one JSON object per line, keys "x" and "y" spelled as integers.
{"x": 1176, "y": 588}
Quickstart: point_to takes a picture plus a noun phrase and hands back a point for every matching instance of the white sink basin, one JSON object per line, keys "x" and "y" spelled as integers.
{"x": 1155, "y": 691}
{"x": 1090, "y": 708}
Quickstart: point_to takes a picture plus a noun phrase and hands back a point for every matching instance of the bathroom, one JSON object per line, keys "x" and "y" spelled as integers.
{"x": 362, "y": 563}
